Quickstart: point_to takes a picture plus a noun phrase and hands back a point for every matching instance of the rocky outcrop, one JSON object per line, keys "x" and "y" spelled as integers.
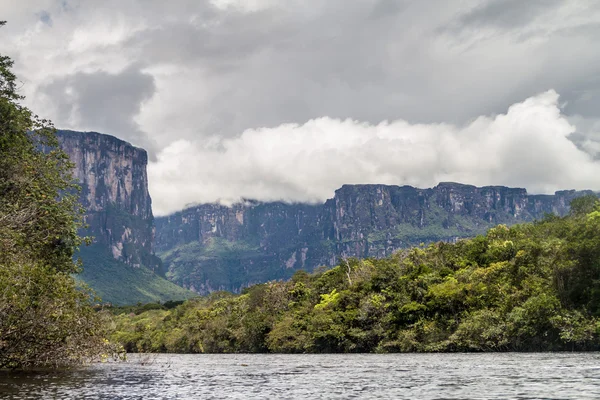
{"x": 211, "y": 247}
{"x": 114, "y": 192}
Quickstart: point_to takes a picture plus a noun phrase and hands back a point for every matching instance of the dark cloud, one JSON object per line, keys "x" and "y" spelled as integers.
{"x": 45, "y": 18}
{"x": 370, "y": 60}
{"x": 277, "y": 66}
{"x": 104, "y": 102}
{"x": 206, "y": 72}
{"x": 387, "y": 8}
{"x": 216, "y": 42}
{"x": 583, "y": 97}
{"x": 587, "y": 136}
{"x": 507, "y": 14}
{"x": 289, "y": 64}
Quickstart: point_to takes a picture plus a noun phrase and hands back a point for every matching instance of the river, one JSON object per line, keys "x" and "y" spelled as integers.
{"x": 325, "y": 376}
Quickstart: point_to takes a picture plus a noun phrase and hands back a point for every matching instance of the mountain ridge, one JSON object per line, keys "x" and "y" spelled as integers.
{"x": 120, "y": 265}
{"x": 210, "y": 247}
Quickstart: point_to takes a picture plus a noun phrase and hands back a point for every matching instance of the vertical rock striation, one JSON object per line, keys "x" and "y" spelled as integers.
{"x": 211, "y": 247}
{"x": 114, "y": 192}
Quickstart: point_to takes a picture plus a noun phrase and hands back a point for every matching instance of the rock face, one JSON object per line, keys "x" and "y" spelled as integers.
{"x": 211, "y": 247}
{"x": 114, "y": 192}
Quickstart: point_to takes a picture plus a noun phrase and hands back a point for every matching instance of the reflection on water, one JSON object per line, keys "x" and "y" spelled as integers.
{"x": 245, "y": 376}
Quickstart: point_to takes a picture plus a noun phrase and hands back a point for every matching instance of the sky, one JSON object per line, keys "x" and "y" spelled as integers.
{"x": 289, "y": 100}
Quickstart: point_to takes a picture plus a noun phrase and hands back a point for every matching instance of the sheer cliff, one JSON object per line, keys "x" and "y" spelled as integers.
{"x": 211, "y": 247}
{"x": 114, "y": 192}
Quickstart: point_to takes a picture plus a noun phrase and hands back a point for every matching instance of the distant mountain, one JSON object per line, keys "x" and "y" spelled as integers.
{"x": 211, "y": 247}
{"x": 120, "y": 265}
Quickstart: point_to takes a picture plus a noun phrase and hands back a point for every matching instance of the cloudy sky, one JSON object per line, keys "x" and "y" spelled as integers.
{"x": 290, "y": 99}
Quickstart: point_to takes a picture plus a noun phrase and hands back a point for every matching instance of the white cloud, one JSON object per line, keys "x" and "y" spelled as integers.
{"x": 528, "y": 146}
{"x": 223, "y": 66}
{"x": 243, "y": 5}
{"x": 187, "y": 77}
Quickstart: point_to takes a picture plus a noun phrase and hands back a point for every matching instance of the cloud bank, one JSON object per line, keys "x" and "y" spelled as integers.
{"x": 151, "y": 71}
{"x": 527, "y": 146}
{"x": 193, "y": 81}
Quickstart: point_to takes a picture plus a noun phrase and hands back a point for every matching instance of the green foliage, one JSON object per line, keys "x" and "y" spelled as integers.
{"x": 529, "y": 287}
{"x": 44, "y": 320}
{"x": 108, "y": 276}
{"x": 218, "y": 261}
{"x": 583, "y": 205}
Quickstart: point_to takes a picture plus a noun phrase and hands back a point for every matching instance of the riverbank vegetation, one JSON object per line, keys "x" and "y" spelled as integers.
{"x": 531, "y": 287}
{"x": 45, "y": 320}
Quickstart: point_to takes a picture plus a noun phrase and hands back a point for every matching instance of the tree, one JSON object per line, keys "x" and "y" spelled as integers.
{"x": 44, "y": 319}
{"x": 583, "y": 205}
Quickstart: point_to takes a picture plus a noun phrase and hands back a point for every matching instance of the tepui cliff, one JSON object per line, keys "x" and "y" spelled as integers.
{"x": 114, "y": 191}
{"x": 212, "y": 247}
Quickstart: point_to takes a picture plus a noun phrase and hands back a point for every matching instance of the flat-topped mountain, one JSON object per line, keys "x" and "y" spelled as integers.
{"x": 114, "y": 192}
{"x": 120, "y": 265}
{"x": 212, "y": 247}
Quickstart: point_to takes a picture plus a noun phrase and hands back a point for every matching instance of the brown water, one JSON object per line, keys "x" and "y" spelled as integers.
{"x": 392, "y": 376}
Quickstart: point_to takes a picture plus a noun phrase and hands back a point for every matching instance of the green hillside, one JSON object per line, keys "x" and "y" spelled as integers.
{"x": 212, "y": 247}
{"x": 120, "y": 284}
{"x": 530, "y": 287}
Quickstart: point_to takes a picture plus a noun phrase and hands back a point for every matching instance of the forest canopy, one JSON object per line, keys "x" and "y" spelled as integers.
{"x": 530, "y": 287}
{"x": 45, "y": 320}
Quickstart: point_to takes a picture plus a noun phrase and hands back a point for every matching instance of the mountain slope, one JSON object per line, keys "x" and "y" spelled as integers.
{"x": 120, "y": 284}
{"x": 211, "y": 247}
{"x": 121, "y": 265}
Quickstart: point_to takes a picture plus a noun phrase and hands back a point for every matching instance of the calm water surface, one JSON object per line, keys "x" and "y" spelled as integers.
{"x": 398, "y": 376}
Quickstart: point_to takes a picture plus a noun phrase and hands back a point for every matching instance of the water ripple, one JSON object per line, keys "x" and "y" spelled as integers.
{"x": 364, "y": 376}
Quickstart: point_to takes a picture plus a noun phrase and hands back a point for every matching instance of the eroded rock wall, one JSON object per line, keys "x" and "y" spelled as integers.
{"x": 114, "y": 191}
{"x": 212, "y": 247}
